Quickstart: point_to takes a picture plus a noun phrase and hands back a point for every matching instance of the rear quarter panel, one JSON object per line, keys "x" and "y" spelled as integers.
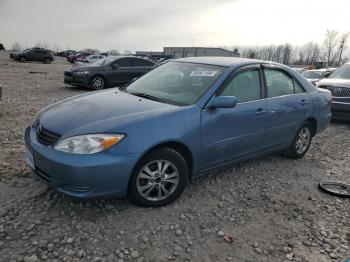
{"x": 320, "y": 106}
{"x": 321, "y": 102}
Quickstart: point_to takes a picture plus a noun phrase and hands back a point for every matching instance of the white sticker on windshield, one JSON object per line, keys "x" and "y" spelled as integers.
{"x": 203, "y": 73}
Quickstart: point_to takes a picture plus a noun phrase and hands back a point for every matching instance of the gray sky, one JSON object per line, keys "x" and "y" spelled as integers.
{"x": 152, "y": 24}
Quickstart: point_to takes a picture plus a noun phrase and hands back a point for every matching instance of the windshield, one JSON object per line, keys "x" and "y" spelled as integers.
{"x": 177, "y": 83}
{"x": 312, "y": 74}
{"x": 342, "y": 72}
{"x": 104, "y": 61}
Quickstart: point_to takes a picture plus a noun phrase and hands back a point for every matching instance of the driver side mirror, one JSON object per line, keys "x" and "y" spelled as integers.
{"x": 223, "y": 102}
{"x": 115, "y": 66}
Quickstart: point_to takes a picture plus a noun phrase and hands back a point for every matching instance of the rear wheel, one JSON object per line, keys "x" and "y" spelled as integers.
{"x": 22, "y": 59}
{"x": 159, "y": 178}
{"x": 301, "y": 142}
{"x": 47, "y": 60}
{"x": 97, "y": 83}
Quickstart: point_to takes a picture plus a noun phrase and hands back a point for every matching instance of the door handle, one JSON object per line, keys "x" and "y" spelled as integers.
{"x": 303, "y": 102}
{"x": 260, "y": 111}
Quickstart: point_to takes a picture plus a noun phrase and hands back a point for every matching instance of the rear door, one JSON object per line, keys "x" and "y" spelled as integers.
{"x": 235, "y": 133}
{"x": 287, "y": 104}
{"x": 123, "y": 71}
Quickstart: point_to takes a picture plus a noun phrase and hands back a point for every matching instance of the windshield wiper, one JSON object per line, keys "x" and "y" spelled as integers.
{"x": 154, "y": 98}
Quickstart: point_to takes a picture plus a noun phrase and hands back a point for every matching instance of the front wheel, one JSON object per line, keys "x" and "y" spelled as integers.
{"x": 22, "y": 59}
{"x": 97, "y": 83}
{"x": 159, "y": 178}
{"x": 301, "y": 142}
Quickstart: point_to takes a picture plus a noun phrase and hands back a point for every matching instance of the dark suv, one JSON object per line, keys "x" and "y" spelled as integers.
{"x": 112, "y": 71}
{"x": 34, "y": 54}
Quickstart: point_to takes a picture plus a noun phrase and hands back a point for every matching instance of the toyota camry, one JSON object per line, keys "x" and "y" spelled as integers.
{"x": 175, "y": 123}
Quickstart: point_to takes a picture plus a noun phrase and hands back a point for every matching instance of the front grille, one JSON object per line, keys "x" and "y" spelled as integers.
{"x": 338, "y": 91}
{"x": 45, "y": 136}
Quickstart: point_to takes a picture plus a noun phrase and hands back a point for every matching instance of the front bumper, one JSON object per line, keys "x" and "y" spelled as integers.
{"x": 341, "y": 108}
{"x": 73, "y": 80}
{"x": 100, "y": 175}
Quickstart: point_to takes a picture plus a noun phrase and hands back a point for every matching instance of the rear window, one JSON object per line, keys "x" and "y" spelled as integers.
{"x": 142, "y": 62}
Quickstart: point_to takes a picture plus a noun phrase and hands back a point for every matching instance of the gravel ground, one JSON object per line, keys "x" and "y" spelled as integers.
{"x": 271, "y": 206}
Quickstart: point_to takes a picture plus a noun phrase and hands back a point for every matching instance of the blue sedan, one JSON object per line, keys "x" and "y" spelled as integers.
{"x": 175, "y": 123}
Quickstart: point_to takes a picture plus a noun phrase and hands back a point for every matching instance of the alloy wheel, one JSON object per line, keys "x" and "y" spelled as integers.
{"x": 303, "y": 140}
{"x": 97, "y": 83}
{"x": 157, "y": 180}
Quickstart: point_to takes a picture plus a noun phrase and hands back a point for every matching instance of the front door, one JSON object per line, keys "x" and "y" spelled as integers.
{"x": 229, "y": 134}
{"x": 122, "y": 73}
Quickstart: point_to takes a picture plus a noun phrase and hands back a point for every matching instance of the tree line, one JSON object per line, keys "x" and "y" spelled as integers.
{"x": 332, "y": 51}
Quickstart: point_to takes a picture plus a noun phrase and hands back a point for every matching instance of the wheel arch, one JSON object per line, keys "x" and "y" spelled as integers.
{"x": 180, "y": 147}
{"x": 313, "y": 122}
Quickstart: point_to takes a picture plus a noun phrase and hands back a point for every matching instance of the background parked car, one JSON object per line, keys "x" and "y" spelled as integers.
{"x": 298, "y": 69}
{"x": 313, "y": 76}
{"x": 91, "y": 58}
{"x": 34, "y": 54}
{"x": 66, "y": 53}
{"x": 339, "y": 84}
{"x": 111, "y": 71}
{"x": 75, "y": 56}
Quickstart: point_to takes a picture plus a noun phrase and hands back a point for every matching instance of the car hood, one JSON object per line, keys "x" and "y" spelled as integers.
{"x": 100, "y": 112}
{"x": 334, "y": 82}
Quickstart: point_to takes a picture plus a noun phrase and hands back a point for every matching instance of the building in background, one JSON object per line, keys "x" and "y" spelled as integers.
{"x": 178, "y": 52}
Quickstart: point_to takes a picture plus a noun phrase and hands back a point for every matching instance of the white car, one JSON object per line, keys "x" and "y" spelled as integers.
{"x": 92, "y": 58}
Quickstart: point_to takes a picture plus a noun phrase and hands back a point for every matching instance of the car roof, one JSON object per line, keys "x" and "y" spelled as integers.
{"x": 127, "y": 56}
{"x": 220, "y": 61}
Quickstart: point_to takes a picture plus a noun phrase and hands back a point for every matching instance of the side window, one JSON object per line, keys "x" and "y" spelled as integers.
{"x": 278, "y": 83}
{"x": 142, "y": 62}
{"x": 124, "y": 62}
{"x": 245, "y": 86}
{"x": 297, "y": 88}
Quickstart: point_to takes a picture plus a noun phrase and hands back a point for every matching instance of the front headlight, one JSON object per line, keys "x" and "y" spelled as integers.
{"x": 78, "y": 73}
{"x": 88, "y": 144}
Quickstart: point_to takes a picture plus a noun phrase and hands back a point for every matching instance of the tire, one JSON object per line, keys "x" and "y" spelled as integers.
{"x": 97, "y": 83}
{"x": 47, "y": 60}
{"x": 149, "y": 185}
{"x": 22, "y": 59}
{"x": 324, "y": 187}
{"x": 301, "y": 142}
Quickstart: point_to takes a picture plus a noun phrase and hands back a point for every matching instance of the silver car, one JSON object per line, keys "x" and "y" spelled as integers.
{"x": 339, "y": 84}
{"x": 92, "y": 58}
